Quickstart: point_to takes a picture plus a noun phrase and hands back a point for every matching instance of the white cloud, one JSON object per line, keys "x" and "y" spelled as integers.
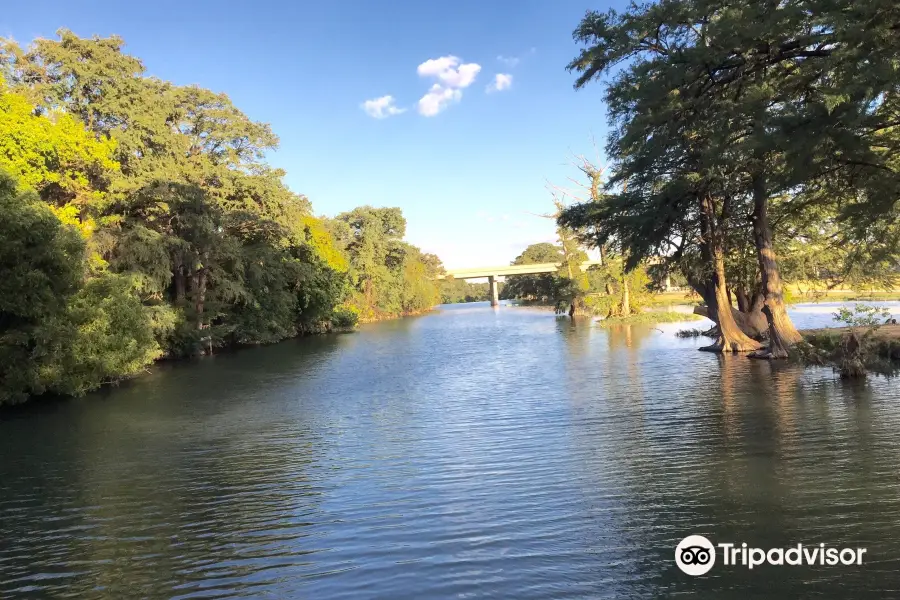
{"x": 510, "y": 61}
{"x": 450, "y": 71}
{"x": 381, "y": 108}
{"x": 437, "y": 99}
{"x": 501, "y": 82}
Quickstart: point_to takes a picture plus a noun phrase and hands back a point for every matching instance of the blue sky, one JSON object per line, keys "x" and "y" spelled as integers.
{"x": 467, "y": 170}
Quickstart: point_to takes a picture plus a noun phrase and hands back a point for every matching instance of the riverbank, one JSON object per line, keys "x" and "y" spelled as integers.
{"x": 800, "y": 293}
{"x": 884, "y": 332}
{"x": 852, "y": 352}
{"x": 391, "y": 317}
{"x": 882, "y": 343}
{"x": 649, "y": 317}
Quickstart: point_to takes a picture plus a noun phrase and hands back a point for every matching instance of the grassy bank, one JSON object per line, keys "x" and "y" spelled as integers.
{"x": 886, "y": 333}
{"x": 388, "y": 317}
{"x": 852, "y": 352}
{"x": 650, "y": 318}
{"x": 807, "y": 291}
{"x": 682, "y": 297}
{"x": 797, "y": 292}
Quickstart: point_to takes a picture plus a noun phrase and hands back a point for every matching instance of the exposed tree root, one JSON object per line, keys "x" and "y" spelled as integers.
{"x": 752, "y": 324}
{"x": 723, "y": 345}
{"x": 766, "y": 353}
{"x": 782, "y": 335}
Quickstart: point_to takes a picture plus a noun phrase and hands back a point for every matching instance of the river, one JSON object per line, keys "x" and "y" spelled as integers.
{"x": 468, "y": 453}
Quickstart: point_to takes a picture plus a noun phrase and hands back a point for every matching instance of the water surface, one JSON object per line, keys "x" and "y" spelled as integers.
{"x": 470, "y": 453}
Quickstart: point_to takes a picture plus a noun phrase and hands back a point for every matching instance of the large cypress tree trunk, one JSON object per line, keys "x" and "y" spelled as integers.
{"x": 743, "y": 300}
{"x": 201, "y": 296}
{"x": 180, "y": 285}
{"x": 731, "y": 338}
{"x": 753, "y": 322}
{"x": 198, "y": 289}
{"x": 782, "y": 333}
{"x": 179, "y": 278}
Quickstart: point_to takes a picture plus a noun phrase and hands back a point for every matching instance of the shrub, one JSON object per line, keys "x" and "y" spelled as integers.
{"x": 105, "y": 335}
{"x": 345, "y": 317}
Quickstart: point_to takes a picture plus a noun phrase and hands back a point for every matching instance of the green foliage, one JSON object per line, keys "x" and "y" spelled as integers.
{"x": 59, "y": 333}
{"x": 863, "y": 315}
{"x": 345, "y": 317}
{"x": 651, "y": 317}
{"x": 542, "y": 287}
{"x": 721, "y": 112}
{"x": 52, "y": 154}
{"x": 41, "y": 267}
{"x": 456, "y": 291}
{"x": 850, "y": 355}
{"x": 389, "y": 276}
{"x": 321, "y": 290}
{"x": 189, "y": 240}
{"x": 607, "y": 290}
{"x": 600, "y": 290}
{"x": 104, "y": 335}
{"x": 854, "y": 352}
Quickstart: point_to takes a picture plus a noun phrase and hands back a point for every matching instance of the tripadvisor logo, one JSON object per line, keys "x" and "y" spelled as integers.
{"x": 696, "y": 555}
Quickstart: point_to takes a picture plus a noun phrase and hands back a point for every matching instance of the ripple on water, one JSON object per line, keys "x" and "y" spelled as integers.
{"x": 468, "y": 453}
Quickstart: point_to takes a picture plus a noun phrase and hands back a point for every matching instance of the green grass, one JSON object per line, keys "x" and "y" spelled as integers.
{"x": 671, "y": 298}
{"x": 650, "y": 318}
{"x": 798, "y": 295}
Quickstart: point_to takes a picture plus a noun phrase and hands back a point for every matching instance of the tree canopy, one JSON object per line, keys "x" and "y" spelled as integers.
{"x": 153, "y": 210}
{"x": 732, "y": 124}
{"x": 541, "y": 287}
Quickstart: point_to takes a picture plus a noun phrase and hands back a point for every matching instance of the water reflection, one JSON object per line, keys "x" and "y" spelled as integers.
{"x": 470, "y": 452}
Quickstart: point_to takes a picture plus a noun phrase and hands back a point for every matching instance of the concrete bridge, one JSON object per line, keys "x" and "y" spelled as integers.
{"x": 505, "y": 271}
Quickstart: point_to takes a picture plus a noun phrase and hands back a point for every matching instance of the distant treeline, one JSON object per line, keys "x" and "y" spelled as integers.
{"x": 456, "y": 291}
{"x": 606, "y": 290}
{"x": 140, "y": 220}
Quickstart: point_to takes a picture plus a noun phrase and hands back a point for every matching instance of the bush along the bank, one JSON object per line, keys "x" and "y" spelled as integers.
{"x": 856, "y": 350}
{"x": 139, "y": 220}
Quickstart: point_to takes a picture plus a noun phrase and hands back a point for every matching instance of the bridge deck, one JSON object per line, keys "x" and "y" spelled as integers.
{"x": 506, "y": 270}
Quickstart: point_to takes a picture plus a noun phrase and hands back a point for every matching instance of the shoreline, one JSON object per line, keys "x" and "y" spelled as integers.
{"x": 175, "y": 361}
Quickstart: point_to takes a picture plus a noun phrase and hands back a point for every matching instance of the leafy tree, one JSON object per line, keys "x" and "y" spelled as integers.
{"x": 455, "y": 291}
{"x": 52, "y": 155}
{"x": 194, "y": 242}
{"x": 710, "y": 111}
{"x": 390, "y": 277}
{"x": 615, "y": 292}
{"x": 103, "y": 335}
{"x": 419, "y": 292}
{"x": 41, "y": 267}
{"x": 541, "y": 287}
{"x": 195, "y": 208}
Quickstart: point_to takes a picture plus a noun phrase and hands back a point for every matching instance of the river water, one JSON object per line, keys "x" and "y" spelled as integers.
{"x": 469, "y": 453}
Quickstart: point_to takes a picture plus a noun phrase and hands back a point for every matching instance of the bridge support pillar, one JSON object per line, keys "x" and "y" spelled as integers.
{"x": 495, "y": 297}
